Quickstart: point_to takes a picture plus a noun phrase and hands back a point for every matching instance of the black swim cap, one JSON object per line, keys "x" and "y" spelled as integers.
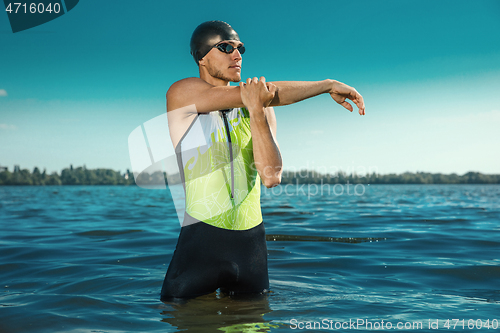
{"x": 207, "y": 35}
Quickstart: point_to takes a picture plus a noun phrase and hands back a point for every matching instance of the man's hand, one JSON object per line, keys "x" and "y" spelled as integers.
{"x": 256, "y": 93}
{"x": 340, "y": 92}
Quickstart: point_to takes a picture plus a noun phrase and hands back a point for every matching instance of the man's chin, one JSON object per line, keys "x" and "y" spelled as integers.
{"x": 236, "y": 78}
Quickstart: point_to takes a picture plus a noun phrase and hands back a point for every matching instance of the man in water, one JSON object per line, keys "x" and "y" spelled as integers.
{"x": 225, "y": 142}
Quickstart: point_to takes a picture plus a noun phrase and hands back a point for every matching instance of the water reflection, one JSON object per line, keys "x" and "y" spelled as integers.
{"x": 220, "y": 312}
{"x": 302, "y": 238}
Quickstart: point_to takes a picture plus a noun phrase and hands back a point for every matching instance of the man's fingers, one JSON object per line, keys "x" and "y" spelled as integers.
{"x": 340, "y": 92}
{"x": 256, "y": 80}
{"x": 347, "y": 105}
{"x": 357, "y": 99}
{"x": 271, "y": 87}
{"x": 360, "y": 103}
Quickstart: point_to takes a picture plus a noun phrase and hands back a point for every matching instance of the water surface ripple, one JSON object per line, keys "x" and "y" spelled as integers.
{"x": 92, "y": 259}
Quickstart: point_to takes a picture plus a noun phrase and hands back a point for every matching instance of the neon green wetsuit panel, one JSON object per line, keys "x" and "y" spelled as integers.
{"x": 221, "y": 181}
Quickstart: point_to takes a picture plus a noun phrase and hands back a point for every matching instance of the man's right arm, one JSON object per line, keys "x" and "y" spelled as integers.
{"x": 207, "y": 97}
{"x": 203, "y": 95}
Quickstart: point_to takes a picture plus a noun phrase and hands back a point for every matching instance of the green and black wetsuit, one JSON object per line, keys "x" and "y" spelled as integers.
{"x": 222, "y": 240}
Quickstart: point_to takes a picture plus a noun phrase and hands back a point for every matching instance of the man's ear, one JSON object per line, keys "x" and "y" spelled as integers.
{"x": 202, "y": 62}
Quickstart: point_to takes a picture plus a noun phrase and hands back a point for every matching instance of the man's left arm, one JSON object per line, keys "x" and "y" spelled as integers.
{"x": 266, "y": 152}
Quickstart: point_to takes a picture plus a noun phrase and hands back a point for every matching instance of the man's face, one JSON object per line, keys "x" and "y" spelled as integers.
{"x": 223, "y": 66}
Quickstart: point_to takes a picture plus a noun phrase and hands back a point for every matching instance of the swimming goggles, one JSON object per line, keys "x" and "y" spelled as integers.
{"x": 228, "y": 48}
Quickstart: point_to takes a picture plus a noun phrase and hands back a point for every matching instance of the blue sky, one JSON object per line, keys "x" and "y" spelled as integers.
{"x": 73, "y": 89}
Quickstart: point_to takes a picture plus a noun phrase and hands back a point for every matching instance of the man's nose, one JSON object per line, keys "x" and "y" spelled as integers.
{"x": 236, "y": 54}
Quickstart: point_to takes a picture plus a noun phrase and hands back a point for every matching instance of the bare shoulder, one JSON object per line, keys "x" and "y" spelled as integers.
{"x": 188, "y": 82}
{"x": 184, "y": 92}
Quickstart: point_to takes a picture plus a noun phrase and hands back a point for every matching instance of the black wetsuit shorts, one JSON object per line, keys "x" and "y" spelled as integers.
{"x": 208, "y": 258}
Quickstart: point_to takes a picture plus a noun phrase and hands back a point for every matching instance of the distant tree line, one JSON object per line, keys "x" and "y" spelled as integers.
{"x": 68, "y": 176}
{"x": 84, "y": 176}
{"x": 313, "y": 177}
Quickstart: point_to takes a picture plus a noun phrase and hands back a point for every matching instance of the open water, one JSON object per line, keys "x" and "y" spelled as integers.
{"x": 92, "y": 259}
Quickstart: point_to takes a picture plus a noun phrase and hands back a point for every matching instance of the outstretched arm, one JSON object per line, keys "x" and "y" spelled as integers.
{"x": 207, "y": 97}
{"x": 256, "y": 95}
{"x": 289, "y": 92}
